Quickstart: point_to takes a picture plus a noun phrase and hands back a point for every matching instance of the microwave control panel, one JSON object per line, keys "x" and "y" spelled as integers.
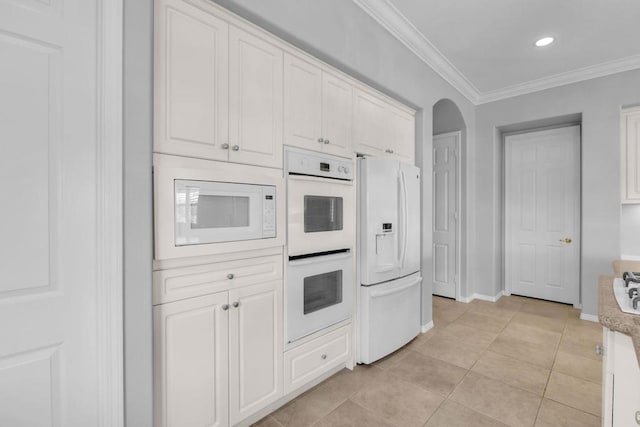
{"x": 268, "y": 212}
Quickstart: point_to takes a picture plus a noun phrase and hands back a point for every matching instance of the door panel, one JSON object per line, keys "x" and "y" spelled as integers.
{"x": 303, "y": 103}
{"x": 256, "y": 346}
{"x": 542, "y": 210}
{"x": 402, "y": 134}
{"x": 190, "y": 362}
{"x": 369, "y": 123}
{"x": 336, "y": 115}
{"x": 191, "y": 82}
{"x": 255, "y": 100}
{"x": 445, "y": 211}
{"x": 48, "y": 287}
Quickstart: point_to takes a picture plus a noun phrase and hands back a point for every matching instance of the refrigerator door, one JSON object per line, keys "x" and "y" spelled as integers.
{"x": 409, "y": 213}
{"x": 379, "y": 245}
{"x": 389, "y": 316}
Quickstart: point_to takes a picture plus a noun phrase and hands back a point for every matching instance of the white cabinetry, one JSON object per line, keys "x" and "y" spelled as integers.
{"x": 621, "y": 381}
{"x": 630, "y": 155}
{"x": 218, "y": 357}
{"x": 317, "y": 108}
{"x": 382, "y": 129}
{"x": 218, "y": 88}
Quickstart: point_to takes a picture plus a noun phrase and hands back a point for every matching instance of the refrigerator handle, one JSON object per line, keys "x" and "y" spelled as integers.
{"x": 405, "y": 218}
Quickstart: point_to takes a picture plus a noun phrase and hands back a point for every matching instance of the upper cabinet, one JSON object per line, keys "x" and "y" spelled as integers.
{"x": 381, "y": 128}
{"x": 317, "y": 108}
{"x": 630, "y": 136}
{"x": 218, "y": 89}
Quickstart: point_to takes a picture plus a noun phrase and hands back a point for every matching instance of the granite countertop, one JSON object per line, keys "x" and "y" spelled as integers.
{"x": 612, "y": 317}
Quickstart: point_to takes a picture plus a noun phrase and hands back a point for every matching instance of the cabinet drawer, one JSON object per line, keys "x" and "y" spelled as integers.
{"x": 181, "y": 283}
{"x": 303, "y": 364}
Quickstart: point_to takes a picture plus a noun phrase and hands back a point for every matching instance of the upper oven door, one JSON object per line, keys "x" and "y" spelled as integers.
{"x": 212, "y": 212}
{"x": 320, "y": 214}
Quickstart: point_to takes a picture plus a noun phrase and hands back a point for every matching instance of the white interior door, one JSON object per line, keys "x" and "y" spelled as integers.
{"x": 49, "y": 362}
{"x": 542, "y": 213}
{"x": 445, "y": 213}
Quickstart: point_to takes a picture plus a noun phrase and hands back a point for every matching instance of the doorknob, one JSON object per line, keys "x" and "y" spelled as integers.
{"x": 566, "y": 240}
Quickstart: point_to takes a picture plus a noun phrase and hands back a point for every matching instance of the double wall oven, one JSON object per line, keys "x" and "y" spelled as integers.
{"x": 320, "y": 241}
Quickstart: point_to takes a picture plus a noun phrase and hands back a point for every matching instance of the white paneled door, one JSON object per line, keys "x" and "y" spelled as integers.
{"x": 51, "y": 164}
{"x": 445, "y": 213}
{"x": 542, "y": 213}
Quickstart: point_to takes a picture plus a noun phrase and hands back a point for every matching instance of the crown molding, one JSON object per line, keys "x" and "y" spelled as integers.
{"x": 387, "y": 15}
{"x": 401, "y": 28}
{"x": 573, "y": 76}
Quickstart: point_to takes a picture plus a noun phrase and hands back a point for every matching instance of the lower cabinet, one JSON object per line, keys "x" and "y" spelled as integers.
{"x": 620, "y": 381}
{"x": 218, "y": 357}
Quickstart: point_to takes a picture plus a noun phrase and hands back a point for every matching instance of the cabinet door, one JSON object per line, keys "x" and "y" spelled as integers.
{"x": 336, "y": 115}
{"x": 369, "y": 123}
{"x": 401, "y": 135}
{"x": 255, "y": 353}
{"x": 191, "y": 81}
{"x": 255, "y": 100}
{"x": 626, "y": 383}
{"x": 191, "y": 362}
{"x": 302, "y": 103}
{"x": 631, "y": 157}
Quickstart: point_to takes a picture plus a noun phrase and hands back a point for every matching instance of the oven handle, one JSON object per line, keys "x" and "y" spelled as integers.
{"x": 378, "y": 294}
{"x": 314, "y": 260}
{"x": 307, "y": 178}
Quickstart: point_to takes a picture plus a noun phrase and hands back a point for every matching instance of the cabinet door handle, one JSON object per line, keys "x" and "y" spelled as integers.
{"x": 389, "y": 150}
{"x": 320, "y": 140}
{"x": 236, "y": 304}
{"x": 323, "y": 357}
{"x": 230, "y": 276}
{"x": 326, "y": 141}
{"x": 235, "y": 148}
{"x": 225, "y": 307}
{"x": 225, "y": 146}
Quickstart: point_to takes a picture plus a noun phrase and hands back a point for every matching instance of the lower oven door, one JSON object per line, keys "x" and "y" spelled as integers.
{"x": 320, "y": 214}
{"x": 319, "y": 293}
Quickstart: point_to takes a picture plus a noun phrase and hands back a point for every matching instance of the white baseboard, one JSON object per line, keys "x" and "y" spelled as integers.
{"x": 589, "y": 317}
{"x": 426, "y": 327}
{"x": 481, "y": 297}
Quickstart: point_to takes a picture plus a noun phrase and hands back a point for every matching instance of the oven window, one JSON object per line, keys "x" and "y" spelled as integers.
{"x": 322, "y": 291}
{"x": 322, "y": 214}
{"x": 219, "y": 211}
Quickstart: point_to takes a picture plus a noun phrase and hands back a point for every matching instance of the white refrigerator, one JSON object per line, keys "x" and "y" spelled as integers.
{"x": 389, "y": 256}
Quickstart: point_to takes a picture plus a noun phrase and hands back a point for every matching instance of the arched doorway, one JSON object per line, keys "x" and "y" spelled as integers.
{"x": 449, "y": 148}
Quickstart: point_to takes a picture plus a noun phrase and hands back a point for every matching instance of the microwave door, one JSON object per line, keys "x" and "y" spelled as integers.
{"x": 212, "y": 212}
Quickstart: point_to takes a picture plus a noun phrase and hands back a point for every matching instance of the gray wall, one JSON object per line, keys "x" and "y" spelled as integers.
{"x": 340, "y": 33}
{"x": 138, "y": 237}
{"x": 630, "y": 231}
{"x": 599, "y": 101}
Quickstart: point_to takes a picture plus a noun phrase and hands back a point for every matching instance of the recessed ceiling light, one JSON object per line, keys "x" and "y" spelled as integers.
{"x": 544, "y": 41}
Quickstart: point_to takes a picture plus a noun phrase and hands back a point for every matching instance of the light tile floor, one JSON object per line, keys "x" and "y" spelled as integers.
{"x": 516, "y": 362}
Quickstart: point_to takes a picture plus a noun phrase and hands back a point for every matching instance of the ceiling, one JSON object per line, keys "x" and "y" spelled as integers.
{"x": 485, "y": 48}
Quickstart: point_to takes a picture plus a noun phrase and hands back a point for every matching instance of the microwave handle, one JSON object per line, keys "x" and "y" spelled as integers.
{"x": 314, "y": 260}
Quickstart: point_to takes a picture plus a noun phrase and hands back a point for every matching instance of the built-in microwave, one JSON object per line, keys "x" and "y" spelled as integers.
{"x": 205, "y": 207}
{"x": 214, "y": 212}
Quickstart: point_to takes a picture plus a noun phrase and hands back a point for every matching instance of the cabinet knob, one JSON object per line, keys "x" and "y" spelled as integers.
{"x": 326, "y": 141}
{"x": 236, "y": 304}
{"x": 599, "y": 350}
{"x": 225, "y": 146}
{"x": 566, "y": 240}
{"x": 389, "y": 150}
{"x": 235, "y": 148}
{"x": 225, "y": 307}
{"x": 323, "y": 357}
{"x": 230, "y": 276}
{"x": 320, "y": 140}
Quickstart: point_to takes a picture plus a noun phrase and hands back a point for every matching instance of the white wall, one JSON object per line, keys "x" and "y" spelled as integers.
{"x": 599, "y": 101}
{"x": 340, "y": 33}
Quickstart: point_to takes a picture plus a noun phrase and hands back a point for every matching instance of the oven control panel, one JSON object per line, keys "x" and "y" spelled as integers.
{"x": 302, "y": 162}
{"x": 268, "y": 212}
